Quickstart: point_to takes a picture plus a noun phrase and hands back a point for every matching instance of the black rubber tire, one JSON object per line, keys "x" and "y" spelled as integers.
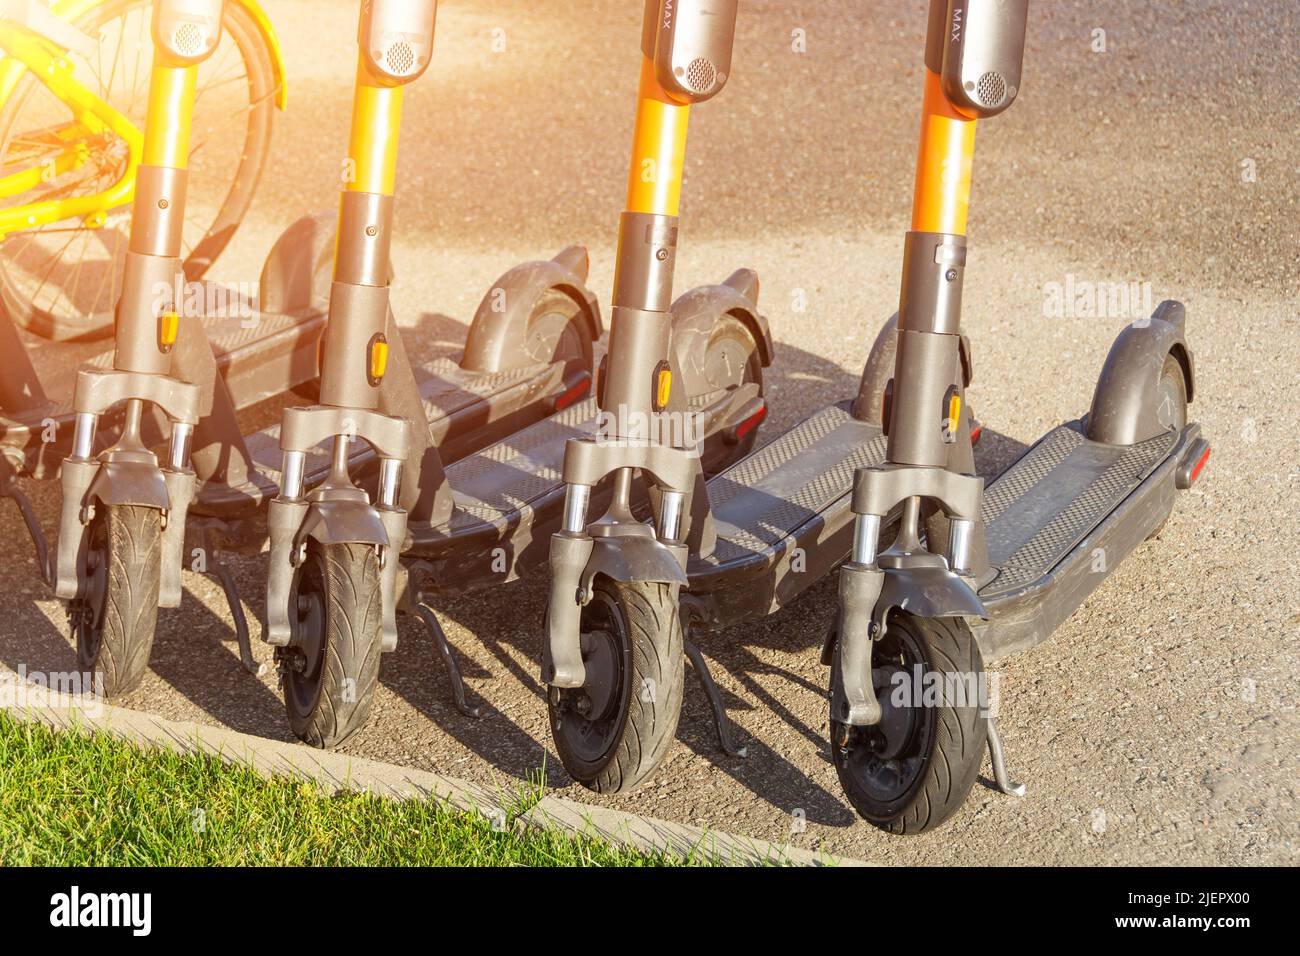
{"x": 129, "y": 539}
{"x": 646, "y": 725}
{"x": 730, "y": 336}
{"x": 950, "y": 743}
{"x": 255, "y": 150}
{"x": 1173, "y": 383}
{"x": 323, "y": 709}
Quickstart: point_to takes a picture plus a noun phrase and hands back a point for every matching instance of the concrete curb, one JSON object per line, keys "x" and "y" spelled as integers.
{"x": 273, "y": 758}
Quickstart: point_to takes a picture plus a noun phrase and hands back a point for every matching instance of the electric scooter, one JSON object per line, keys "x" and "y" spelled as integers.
{"x": 976, "y": 573}
{"x": 261, "y": 348}
{"x": 613, "y": 653}
{"x": 490, "y": 515}
{"x": 333, "y": 581}
{"x": 122, "y": 519}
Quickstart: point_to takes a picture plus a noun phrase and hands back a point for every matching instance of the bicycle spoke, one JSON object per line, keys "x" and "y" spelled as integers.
{"x": 241, "y": 78}
{"x": 53, "y": 262}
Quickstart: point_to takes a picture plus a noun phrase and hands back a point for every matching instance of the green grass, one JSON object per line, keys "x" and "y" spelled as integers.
{"x": 69, "y": 799}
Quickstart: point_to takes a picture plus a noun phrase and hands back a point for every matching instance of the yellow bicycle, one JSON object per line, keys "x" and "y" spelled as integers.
{"x": 74, "y": 81}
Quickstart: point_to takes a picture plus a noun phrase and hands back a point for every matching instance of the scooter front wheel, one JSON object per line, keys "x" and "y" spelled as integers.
{"x": 333, "y": 667}
{"x": 114, "y": 622}
{"x": 912, "y": 770}
{"x": 612, "y": 732}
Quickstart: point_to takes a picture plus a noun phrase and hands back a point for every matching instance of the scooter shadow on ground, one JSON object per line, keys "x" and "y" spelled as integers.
{"x": 418, "y": 676}
{"x": 34, "y": 644}
{"x": 196, "y": 653}
{"x": 192, "y": 652}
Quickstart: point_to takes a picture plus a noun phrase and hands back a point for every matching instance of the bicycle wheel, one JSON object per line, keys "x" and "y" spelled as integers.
{"x": 62, "y": 280}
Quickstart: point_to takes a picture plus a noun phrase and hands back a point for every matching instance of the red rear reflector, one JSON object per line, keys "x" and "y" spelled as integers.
{"x": 573, "y": 394}
{"x": 1200, "y": 464}
{"x": 750, "y": 423}
{"x": 975, "y": 433}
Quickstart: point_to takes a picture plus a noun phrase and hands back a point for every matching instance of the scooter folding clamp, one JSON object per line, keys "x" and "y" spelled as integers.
{"x": 587, "y": 461}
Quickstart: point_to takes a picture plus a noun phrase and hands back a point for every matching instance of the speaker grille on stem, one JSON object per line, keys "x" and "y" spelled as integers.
{"x": 188, "y": 40}
{"x": 992, "y": 89}
{"x": 701, "y": 75}
{"x": 400, "y": 59}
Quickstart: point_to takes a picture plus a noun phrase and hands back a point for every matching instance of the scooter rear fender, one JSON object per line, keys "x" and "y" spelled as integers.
{"x": 697, "y": 313}
{"x": 498, "y": 333}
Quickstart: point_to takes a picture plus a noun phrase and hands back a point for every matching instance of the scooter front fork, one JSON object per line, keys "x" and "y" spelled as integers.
{"x": 126, "y": 473}
{"x": 572, "y": 548}
{"x": 336, "y": 511}
{"x": 862, "y": 578}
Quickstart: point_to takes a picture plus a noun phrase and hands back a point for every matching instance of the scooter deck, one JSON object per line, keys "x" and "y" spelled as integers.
{"x": 258, "y": 359}
{"x": 783, "y": 517}
{"x": 508, "y": 499}
{"x": 506, "y": 504}
{"x": 1063, "y": 516}
{"x": 464, "y": 411}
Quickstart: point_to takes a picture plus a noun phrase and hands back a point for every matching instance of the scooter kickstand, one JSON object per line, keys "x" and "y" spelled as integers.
{"x": 440, "y": 641}
{"x": 998, "y": 758}
{"x": 720, "y": 720}
{"x": 9, "y": 489}
{"x": 29, "y": 518}
{"x": 221, "y": 571}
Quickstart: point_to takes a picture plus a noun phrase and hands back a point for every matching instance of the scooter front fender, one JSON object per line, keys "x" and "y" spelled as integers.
{"x": 926, "y": 592}
{"x": 290, "y": 524}
{"x": 343, "y": 522}
{"x": 130, "y": 483}
{"x": 867, "y": 596}
{"x": 627, "y": 558}
{"x": 576, "y": 561}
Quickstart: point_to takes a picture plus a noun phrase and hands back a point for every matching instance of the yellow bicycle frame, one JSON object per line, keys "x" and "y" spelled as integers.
{"x": 25, "y": 50}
